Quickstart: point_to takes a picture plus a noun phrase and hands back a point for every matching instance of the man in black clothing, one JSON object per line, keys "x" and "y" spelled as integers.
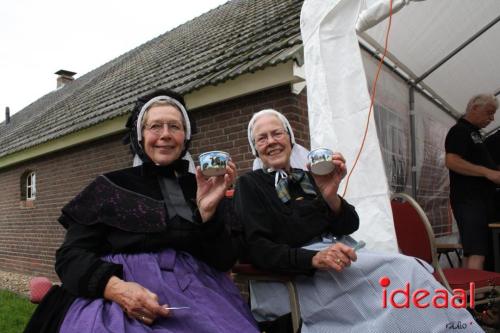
{"x": 473, "y": 175}
{"x": 493, "y": 145}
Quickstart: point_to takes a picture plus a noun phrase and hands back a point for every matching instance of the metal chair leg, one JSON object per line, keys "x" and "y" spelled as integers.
{"x": 449, "y": 259}
{"x": 294, "y": 305}
{"x": 459, "y": 256}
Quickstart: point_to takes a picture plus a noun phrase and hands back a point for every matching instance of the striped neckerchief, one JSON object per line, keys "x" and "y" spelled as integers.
{"x": 281, "y": 179}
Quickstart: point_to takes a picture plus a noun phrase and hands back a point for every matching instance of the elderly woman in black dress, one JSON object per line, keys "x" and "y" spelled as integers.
{"x": 295, "y": 222}
{"x": 146, "y": 247}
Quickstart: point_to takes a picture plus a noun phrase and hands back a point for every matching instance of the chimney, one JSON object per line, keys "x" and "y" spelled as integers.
{"x": 7, "y": 115}
{"x": 64, "y": 77}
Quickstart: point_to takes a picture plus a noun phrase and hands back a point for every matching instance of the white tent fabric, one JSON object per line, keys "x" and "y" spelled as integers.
{"x": 425, "y": 33}
{"x": 338, "y": 103}
{"x": 442, "y": 53}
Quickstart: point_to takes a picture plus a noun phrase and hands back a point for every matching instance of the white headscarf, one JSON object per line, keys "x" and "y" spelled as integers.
{"x": 168, "y": 99}
{"x": 266, "y": 112}
{"x": 298, "y": 158}
{"x": 137, "y": 160}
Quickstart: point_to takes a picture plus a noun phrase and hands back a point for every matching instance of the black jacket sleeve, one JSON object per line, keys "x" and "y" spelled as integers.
{"x": 216, "y": 243}
{"x": 345, "y": 222}
{"x": 78, "y": 262}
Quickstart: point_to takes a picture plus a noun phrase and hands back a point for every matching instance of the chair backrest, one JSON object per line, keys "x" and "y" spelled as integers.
{"x": 413, "y": 230}
{"x": 416, "y": 238}
{"x": 39, "y": 287}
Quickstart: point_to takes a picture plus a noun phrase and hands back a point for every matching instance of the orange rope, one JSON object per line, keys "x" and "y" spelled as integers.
{"x": 372, "y": 99}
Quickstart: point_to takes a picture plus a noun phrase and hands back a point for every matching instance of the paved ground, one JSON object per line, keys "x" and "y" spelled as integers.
{"x": 17, "y": 283}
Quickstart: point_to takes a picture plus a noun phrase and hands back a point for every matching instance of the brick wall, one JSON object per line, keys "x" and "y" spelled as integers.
{"x": 224, "y": 126}
{"x": 29, "y": 236}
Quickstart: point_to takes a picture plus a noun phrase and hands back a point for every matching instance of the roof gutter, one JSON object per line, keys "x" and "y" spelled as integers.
{"x": 269, "y": 77}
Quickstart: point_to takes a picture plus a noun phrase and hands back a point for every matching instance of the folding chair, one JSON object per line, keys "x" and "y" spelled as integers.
{"x": 247, "y": 272}
{"x": 39, "y": 286}
{"x": 447, "y": 248}
{"x": 415, "y": 238}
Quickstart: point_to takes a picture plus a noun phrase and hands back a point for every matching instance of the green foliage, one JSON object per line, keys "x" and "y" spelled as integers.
{"x": 15, "y": 311}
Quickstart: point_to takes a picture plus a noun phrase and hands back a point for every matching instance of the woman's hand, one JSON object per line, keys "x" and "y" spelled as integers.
{"x": 337, "y": 257}
{"x": 329, "y": 184}
{"x": 211, "y": 190}
{"x": 135, "y": 300}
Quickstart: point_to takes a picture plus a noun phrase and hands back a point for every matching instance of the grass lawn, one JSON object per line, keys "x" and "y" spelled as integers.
{"x": 15, "y": 311}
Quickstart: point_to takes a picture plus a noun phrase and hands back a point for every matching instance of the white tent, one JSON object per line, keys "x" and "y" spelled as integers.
{"x": 448, "y": 48}
{"x": 440, "y": 53}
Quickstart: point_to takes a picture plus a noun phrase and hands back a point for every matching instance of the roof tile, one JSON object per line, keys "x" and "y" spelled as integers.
{"x": 241, "y": 36}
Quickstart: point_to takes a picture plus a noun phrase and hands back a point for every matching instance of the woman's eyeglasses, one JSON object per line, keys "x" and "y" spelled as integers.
{"x": 263, "y": 139}
{"x": 158, "y": 128}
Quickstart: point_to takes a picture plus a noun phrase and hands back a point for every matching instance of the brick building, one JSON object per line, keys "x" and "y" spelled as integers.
{"x": 239, "y": 58}
{"x": 229, "y": 63}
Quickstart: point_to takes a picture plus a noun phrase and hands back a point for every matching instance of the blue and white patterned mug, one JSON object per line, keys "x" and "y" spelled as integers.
{"x": 321, "y": 161}
{"x": 213, "y": 163}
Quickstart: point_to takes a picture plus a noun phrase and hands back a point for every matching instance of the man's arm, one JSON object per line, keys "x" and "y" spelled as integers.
{"x": 457, "y": 164}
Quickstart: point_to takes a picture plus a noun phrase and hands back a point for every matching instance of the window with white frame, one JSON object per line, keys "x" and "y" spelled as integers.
{"x": 28, "y": 186}
{"x": 31, "y": 186}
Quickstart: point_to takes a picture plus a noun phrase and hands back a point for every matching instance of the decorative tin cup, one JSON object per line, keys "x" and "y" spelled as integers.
{"x": 321, "y": 161}
{"x": 213, "y": 163}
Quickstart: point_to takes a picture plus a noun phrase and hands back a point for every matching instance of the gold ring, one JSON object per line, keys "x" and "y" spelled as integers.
{"x": 143, "y": 318}
{"x": 338, "y": 261}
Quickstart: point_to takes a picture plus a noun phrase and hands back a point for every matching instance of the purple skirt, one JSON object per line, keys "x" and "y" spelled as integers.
{"x": 179, "y": 280}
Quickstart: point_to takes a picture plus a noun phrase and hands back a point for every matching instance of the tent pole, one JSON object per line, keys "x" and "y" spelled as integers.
{"x": 431, "y": 99}
{"x": 458, "y": 49}
{"x": 413, "y": 142}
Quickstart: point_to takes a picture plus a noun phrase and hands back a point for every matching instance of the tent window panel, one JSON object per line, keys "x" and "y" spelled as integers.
{"x": 392, "y": 131}
{"x": 433, "y": 186}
